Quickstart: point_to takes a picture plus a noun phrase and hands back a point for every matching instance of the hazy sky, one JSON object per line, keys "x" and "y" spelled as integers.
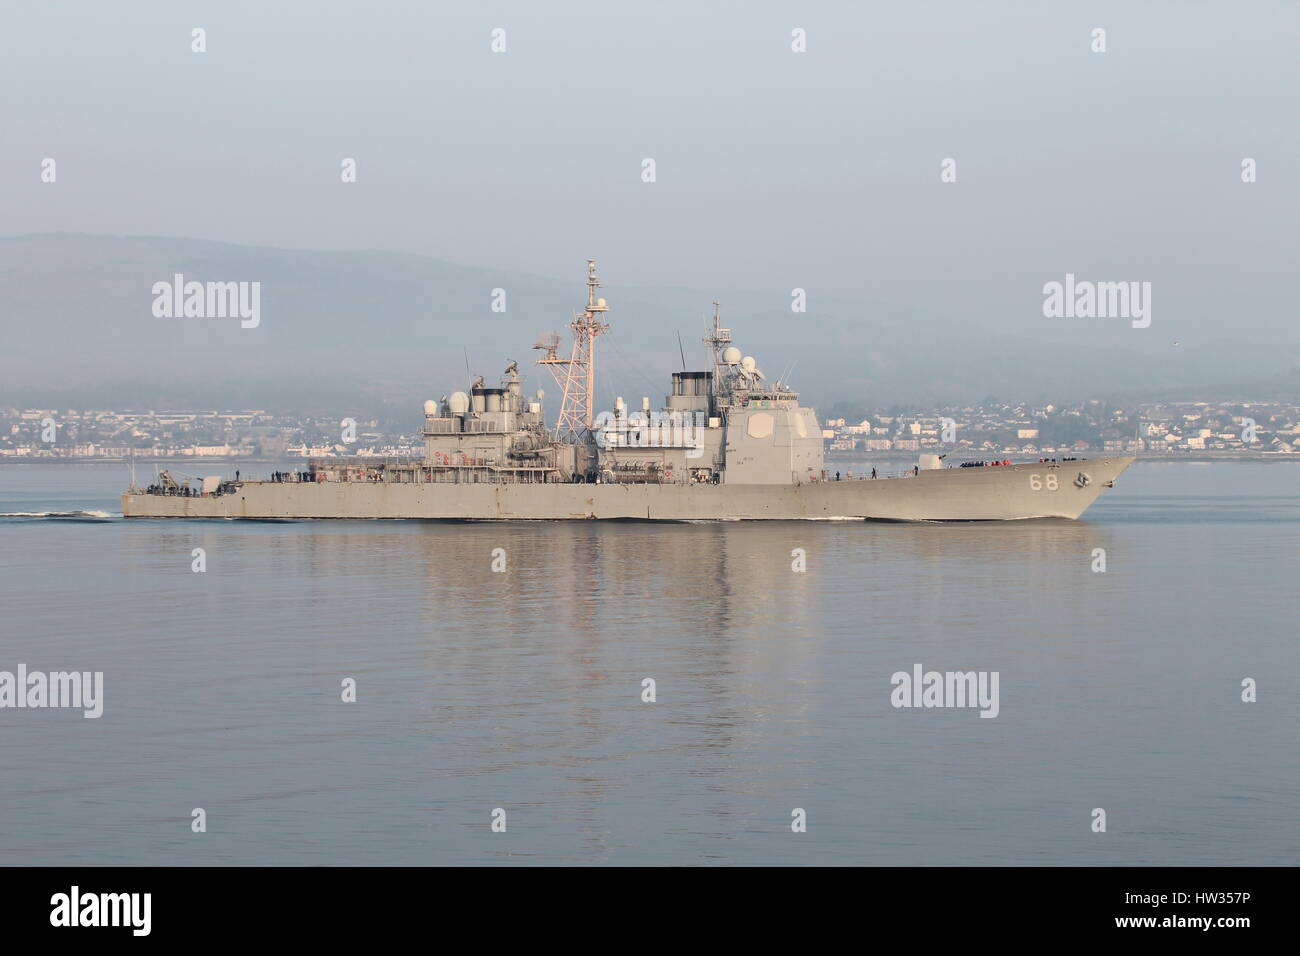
{"x": 775, "y": 169}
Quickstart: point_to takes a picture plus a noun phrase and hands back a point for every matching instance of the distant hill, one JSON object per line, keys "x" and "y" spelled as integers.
{"x": 378, "y": 332}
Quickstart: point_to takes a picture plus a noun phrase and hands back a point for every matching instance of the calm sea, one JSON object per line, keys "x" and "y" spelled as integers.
{"x": 523, "y": 690}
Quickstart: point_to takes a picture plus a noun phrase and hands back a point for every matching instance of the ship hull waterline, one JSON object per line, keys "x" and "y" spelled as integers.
{"x": 995, "y": 493}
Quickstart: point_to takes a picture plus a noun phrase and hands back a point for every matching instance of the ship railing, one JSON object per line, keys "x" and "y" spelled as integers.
{"x": 364, "y": 461}
{"x": 880, "y": 475}
{"x": 472, "y": 471}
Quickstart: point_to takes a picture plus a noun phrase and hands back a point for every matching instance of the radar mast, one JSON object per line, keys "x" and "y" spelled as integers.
{"x": 717, "y": 340}
{"x": 576, "y": 375}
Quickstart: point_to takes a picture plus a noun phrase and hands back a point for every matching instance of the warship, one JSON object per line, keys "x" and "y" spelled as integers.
{"x": 728, "y": 444}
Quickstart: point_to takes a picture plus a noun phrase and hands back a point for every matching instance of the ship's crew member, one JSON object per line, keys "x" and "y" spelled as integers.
{"x": 916, "y": 471}
{"x": 837, "y": 476}
{"x": 236, "y": 474}
{"x": 873, "y": 472}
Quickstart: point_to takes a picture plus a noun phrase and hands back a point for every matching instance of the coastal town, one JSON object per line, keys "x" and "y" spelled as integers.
{"x": 1182, "y": 430}
{"x": 1179, "y": 429}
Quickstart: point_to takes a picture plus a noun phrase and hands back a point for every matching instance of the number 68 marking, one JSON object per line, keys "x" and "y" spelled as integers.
{"x": 1036, "y": 482}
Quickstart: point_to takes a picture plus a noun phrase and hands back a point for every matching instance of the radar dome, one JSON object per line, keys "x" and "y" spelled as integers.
{"x": 458, "y": 403}
{"x": 731, "y": 356}
{"x": 431, "y": 407}
{"x": 748, "y": 363}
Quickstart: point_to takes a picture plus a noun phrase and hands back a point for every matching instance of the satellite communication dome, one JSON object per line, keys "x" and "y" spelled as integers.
{"x": 748, "y": 363}
{"x": 731, "y": 356}
{"x": 458, "y": 403}
{"x": 431, "y": 407}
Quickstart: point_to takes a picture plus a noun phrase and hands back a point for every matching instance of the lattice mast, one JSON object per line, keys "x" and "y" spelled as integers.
{"x": 718, "y": 339}
{"x": 576, "y": 375}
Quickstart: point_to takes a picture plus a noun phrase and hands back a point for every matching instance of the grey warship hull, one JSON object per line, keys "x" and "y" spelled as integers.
{"x": 1008, "y": 492}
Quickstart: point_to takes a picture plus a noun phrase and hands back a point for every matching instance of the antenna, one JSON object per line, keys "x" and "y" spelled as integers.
{"x": 790, "y": 368}
{"x": 680, "y": 349}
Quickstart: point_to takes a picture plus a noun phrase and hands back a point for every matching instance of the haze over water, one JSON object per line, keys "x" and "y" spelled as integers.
{"x": 522, "y": 690}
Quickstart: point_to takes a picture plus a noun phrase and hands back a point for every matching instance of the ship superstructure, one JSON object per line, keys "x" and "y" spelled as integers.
{"x": 727, "y": 443}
